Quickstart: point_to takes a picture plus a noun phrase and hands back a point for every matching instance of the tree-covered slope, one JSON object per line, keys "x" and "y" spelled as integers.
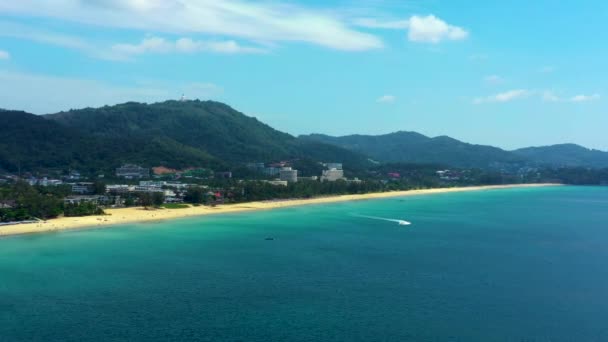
{"x": 565, "y": 155}
{"x": 411, "y": 147}
{"x": 209, "y": 126}
{"x": 32, "y": 143}
{"x": 173, "y": 133}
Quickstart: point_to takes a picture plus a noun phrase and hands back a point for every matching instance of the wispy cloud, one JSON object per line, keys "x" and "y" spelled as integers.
{"x": 122, "y": 51}
{"x": 506, "y": 96}
{"x": 255, "y": 21}
{"x": 546, "y": 96}
{"x": 54, "y": 93}
{"x": 585, "y": 98}
{"x": 182, "y": 45}
{"x": 549, "y": 96}
{"x": 4, "y": 55}
{"x": 423, "y": 29}
{"x": 387, "y": 99}
{"x": 14, "y": 30}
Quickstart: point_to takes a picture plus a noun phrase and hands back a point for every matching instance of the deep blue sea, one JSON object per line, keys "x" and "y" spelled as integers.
{"x": 500, "y": 265}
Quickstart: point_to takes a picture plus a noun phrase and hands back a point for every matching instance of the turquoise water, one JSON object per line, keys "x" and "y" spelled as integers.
{"x": 505, "y": 265}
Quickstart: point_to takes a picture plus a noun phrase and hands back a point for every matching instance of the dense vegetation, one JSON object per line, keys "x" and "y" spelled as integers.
{"x": 32, "y": 143}
{"x": 173, "y": 134}
{"x": 21, "y": 201}
{"x": 411, "y": 147}
{"x": 215, "y": 130}
{"x": 565, "y": 155}
{"x": 211, "y": 134}
{"x": 575, "y": 176}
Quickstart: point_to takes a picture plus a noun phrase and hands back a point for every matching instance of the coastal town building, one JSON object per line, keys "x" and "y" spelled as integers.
{"x": 131, "y": 171}
{"x": 288, "y": 174}
{"x": 74, "y": 175}
{"x": 448, "y": 175}
{"x": 147, "y": 188}
{"x": 277, "y": 182}
{"x": 118, "y": 188}
{"x": 159, "y": 184}
{"x": 312, "y": 179}
{"x": 337, "y": 166}
{"x": 332, "y": 175}
{"x": 97, "y": 199}
{"x": 82, "y": 188}
{"x": 43, "y": 181}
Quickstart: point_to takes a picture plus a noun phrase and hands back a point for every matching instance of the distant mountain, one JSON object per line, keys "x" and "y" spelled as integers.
{"x": 565, "y": 155}
{"x": 32, "y": 142}
{"x": 180, "y": 134}
{"x": 172, "y": 133}
{"x": 411, "y": 147}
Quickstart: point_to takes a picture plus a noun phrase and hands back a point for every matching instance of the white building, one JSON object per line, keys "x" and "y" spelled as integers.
{"x": 82, "y": 188}
{"x": 288, "y": 174}
{"x": 332, "y": 175}
{"x": 131, "y": 171}
{"x": 277, "y": 182}
{"x": 337, "y": 166}
{"x": 152, "y": 183}
{"x": 119, "y": 188}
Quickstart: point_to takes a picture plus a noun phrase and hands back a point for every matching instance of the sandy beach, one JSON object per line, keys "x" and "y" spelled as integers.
{"x": 140, "y": 215}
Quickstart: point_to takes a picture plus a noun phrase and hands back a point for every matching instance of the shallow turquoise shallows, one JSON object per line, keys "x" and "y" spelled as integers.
{"x": 500, "y": 265}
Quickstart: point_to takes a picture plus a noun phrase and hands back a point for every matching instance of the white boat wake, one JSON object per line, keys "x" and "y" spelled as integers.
{"x": 400, "y": 222}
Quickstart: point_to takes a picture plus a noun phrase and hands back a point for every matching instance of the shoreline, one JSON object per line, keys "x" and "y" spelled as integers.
{"x": 121, "y": 216}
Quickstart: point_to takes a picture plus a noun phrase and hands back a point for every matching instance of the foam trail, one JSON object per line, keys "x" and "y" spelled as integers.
{"x": 400, "y": 222}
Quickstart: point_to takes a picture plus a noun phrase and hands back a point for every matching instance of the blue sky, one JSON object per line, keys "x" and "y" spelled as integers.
{"x": 506, "y": 73}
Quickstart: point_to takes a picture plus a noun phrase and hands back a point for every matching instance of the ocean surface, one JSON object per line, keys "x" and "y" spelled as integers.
{"x": 501, "y": 265}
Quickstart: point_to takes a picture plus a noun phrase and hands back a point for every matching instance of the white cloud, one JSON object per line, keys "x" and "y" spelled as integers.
{"x": 255, "y": 21}
{"x": 4, "y": 55}
{"x": 387, "y": 99}
{"x": 182, "y": 45}
{"x": 124, "y": 51}
{"x": 585, "y": 98}
{"x": 43, "y": 94}
{"x": 549, "y": 96}
{"x": 507, "y": 96}
{"x": 425, "y": 29}
{"x": 431, "y": 29}
{"x": 493, "y": 79}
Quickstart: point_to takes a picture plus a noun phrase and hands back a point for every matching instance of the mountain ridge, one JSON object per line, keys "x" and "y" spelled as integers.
{"x": 212, "y": 134}
{"x": 176, "y": 134}
{"x": 407, "y": 146}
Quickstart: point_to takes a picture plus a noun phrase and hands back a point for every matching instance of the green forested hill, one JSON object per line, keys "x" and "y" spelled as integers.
{"x": 29, "y": 141}
{"x": 211, "y": 134}
{"x": 174, "y": 134}
{"x": 209, "y": 126}
{"x": 33, "y": 143}
{"x": 411, "y": 147}
{"x": 565, "y": 155}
